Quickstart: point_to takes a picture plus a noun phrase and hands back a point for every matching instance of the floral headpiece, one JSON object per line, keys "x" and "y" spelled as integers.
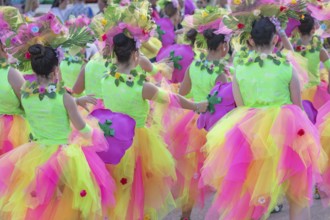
{"x": 46, "y": 30}
{"x": 80, "y": 21}
{"x": 208, "y": 18}
{"x": 242, "y": 18}
{"x": 320, "y": 10}
{"x": 133, "y": 20}
{"x": 10, "y": 18}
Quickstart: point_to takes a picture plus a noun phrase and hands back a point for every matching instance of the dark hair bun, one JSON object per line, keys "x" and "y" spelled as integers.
{"x": 306, "y": 24}
{"x": 43, "y": 59}
{"x": 123, "y": 47}
{"x": 191, "y": 35}
{"x": 208, "y": 34}
{"x": 263, "y": 31}
{"x": 213, "y": 40}
{"x": 37, "y": 51}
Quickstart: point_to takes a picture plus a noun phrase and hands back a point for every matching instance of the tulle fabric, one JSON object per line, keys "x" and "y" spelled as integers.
{"x": 255, "y": 156}
{"x": 185, "y": 141}
{"x": 323, "y": 125}
{"x": 318, "y": 95}
{"x": 144, "y": 178}
{"x": 14, "y": 132}
{"x": 56, "y": 181}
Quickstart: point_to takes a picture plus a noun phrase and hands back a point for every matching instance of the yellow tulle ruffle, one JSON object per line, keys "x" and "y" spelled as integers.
{"x": 14, "y": 132}
{"x": 144, "y": 178}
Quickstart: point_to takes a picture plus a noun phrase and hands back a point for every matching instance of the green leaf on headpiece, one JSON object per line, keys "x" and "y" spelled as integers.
{"x": 79, "y": 37}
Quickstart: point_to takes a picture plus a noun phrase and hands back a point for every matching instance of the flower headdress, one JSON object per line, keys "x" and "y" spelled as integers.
{"x": 80, "y": 21}
{"x": 48, "y": 31}
{"x": 320, "y": 10}
{"x": 208, "y": 18}
{"x": 133, "y": 20}
{"x": 242, "y": 18}
{"x": 10, "y": 18}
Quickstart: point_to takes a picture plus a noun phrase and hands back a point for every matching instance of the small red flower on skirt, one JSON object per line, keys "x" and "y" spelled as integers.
{"x": 83, "y": 193}
{"x": 33, "y": 194}
{"x": 123, "y": 181}
{"x": 301, "y": 132}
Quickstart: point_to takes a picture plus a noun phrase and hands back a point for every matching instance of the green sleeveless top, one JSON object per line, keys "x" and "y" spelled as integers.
{"x": 312, "y": 53}
{"x": 123, "y": 93}
{"x": 203, "y": 74}
{"x": 46, "y": 113}
{"x": 94, "y": 72}
{"x": 10, "y": 104}
{"x": 70, "y": 69}
{"x": 264, "y": 80}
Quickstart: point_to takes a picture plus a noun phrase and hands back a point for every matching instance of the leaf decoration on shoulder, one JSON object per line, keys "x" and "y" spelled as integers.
{"x": 50, "y": 91}
{"x": 211, "y": 67}
{"x": 130, "y": 78}
{"x": 314, "y": 46}
{"x": 277, "y": 59}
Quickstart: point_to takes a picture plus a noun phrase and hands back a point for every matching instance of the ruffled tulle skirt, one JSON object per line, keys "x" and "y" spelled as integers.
{"x": 144, "y": 178}
{"x": 14, "y": 131}
{"x": 255, "y": 156}
{"x": 323, "y": 125}
{"x": 41, "y": 181}
{"x": 318, "y": 95}
{"x": 185, "y": 142}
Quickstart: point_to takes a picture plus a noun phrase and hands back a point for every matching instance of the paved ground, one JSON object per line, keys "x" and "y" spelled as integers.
{"x": 317, "y": 213}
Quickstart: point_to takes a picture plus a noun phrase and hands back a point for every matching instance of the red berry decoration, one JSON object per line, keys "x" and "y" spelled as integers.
{"x": 123, "y": 181}
{"x": 301, "y": 132}
{"x": 283, "y": 8}
{"x": 104, "y": 37}
{"x": 83, "y": 193}
{"x": 240, "y": 26}
{"x": 27, "y": 55}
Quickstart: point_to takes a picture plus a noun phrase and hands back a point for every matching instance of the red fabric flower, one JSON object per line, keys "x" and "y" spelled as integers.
{"x": 123, "y": 181}
{"x": 83, "y": 193}
{"x": 33, "y": 194}
{"x": 301, "y": 132}
{"x": 283, "y": 8}
{"x": 240, "y": 26}
{"x": 27, "y": 55}
{"x": 298, "y": 48}
{"x": 146, "y": 33}
{"x": 104, "y": 37}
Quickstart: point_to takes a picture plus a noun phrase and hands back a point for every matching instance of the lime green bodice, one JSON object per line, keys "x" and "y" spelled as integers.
{"x": 203, "y": 74}
{"x": 123, "y": 93}
{"x": 9, "y": 104}
{"x": 202, "y": 82}
{"x": 263, "y": 83}
{"x": 313, "y": 68}
{"x": 312, "y": 54}
{"x": 46, "y": 115}
{"x": 94, "y": 71}
{"x": 70, "y": 72}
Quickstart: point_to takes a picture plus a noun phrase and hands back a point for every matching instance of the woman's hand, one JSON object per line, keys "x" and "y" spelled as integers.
{"x": 83, "y": 101}
{"x": 201, "y": 107}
